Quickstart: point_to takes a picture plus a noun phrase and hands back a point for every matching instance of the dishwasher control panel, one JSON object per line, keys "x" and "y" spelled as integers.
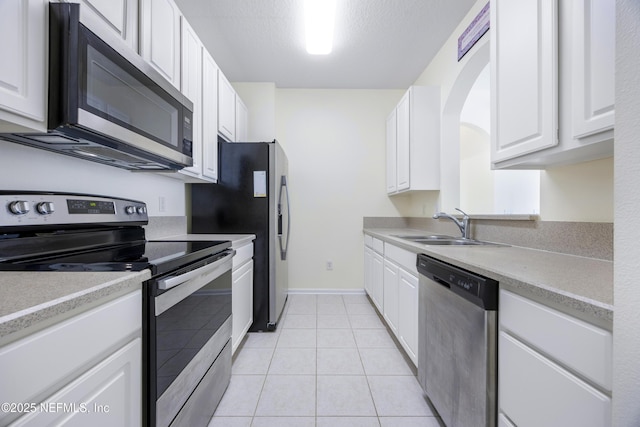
{"x": 480, "y": 290}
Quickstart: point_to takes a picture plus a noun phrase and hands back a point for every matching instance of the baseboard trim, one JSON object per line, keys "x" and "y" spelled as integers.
{"x": 324, "y": 291}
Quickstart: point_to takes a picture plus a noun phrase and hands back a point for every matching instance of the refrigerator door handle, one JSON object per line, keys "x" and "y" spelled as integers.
{"x": 285, "y": 187}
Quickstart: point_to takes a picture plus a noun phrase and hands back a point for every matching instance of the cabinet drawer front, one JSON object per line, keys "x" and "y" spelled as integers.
{"x": 378, "y": 245}
{"x": 406, "y": 259}
{"x": 580, "y": 346}
{"x": 243, "y": 254}
{"x": 48, "y": 359}
{"x": 536, "y": 392}
{"x": 107, "y": 395}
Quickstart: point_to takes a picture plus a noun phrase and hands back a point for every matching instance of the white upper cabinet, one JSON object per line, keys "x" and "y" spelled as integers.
{"x": 191, "y": 87}
{"x": 392, "y": 185}
{"x": 160, "y": 37}
{"x": 209, "y": 117}
{"x": 553, "y": 82}
{"x": 242, "y": 117}
{"x": 226, "y": 108}
{"x": 593, "y": 66}
{"x": 403, "y": 141}
{"x": 119, "y": 17}
{"x": 413, "y": 141}
{"x": 524, "y": 77}
{"x": 23, "y": 69}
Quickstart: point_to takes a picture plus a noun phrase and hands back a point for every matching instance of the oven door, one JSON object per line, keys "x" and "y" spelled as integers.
{"x": 188, "y": 318}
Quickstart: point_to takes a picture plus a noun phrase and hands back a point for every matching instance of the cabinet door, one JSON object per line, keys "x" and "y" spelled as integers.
{"x": 390, "y": 295}
{"x": 408, "y": 313}
{"x": 368, "y": 275}
{"x": 110, "y": 394}
{"x": 160, "y": 37}
{"x": 524, "y": 77}
{"x": 23, "y": 69}
{"x": 191, "y": 87}
{"x": 535, "y": 392}
{"x": 119, "y": 17}
{"x": 242, "y": 117}
{"x": 593, "y": 65}
{"x": 226, "y": 108}
{"x": 242, "y": 303}
{"x": 392, "y": 166}
{"x": 377, "y": 272}
{"x": 209, "y": 117}
{"x": 403, "y": 143}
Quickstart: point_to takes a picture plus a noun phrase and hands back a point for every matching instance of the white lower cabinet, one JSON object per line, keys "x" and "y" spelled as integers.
{"x": 408, "y": 314}
{"x": 368, "y": 265}
{"x": 241, "y": 294}
{"x": 374, "y": 270}
{"x": 554, "y": 369}
{"x": 391, "y": 280}
{"x": 85, "y": 370}
{"x": 390, "y": 294}
{"x": 104, "y": 396}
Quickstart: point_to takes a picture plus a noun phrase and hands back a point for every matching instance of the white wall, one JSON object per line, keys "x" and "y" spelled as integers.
{"x": 335, "y": 143}
{"x": 260, "y": 99}
{"x": 626, "y": 317}
{"x": 26, "y": 168}
{"x": 581, "y": 192}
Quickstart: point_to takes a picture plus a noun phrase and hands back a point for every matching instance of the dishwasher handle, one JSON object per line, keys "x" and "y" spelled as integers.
{"x": 441, "y": 282}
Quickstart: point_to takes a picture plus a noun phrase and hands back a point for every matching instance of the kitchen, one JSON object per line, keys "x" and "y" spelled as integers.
{"x": 337, "y": 177}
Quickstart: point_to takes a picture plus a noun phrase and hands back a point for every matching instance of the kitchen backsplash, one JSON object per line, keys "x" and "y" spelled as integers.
{"x": 164, "y": 226}
{"x": 588, "y": 239}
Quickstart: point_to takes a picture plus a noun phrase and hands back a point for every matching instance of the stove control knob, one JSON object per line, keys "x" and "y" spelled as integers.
{"x": 45, "y": 208}
{"x": 19, "y": 207}
{"x": 141, "y": 210}
{"x": 130, "y": 210}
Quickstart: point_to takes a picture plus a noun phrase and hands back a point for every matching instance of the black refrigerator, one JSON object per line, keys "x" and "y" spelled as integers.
{"x": 251, "y": 197}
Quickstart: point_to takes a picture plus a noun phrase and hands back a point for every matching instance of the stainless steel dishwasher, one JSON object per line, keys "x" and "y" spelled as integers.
{"x": 457, "y": 343}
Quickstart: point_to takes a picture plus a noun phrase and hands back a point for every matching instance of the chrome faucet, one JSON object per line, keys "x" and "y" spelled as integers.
{"x": 462, "y": 225}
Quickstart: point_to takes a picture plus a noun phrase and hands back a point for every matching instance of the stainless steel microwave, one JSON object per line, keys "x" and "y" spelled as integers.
{"x": 106, "y": 104}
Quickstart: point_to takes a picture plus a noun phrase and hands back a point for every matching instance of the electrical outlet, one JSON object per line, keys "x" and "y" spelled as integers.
{"x": 329, "y": 265}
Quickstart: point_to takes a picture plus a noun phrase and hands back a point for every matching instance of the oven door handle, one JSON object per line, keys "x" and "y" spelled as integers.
{"x": 173, "y": 281}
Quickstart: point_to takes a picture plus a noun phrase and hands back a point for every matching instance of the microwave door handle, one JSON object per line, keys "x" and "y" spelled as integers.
{"x": 173, "y": 281}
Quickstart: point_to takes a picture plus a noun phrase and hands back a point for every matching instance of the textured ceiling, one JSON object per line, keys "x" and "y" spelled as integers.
{"x": 378, "y": 44}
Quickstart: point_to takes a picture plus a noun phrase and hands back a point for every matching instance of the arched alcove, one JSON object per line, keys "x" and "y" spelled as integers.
{"x": 477, "y": 189}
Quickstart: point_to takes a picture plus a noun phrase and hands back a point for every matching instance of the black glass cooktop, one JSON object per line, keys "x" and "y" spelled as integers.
{"x": 159, "y": 256}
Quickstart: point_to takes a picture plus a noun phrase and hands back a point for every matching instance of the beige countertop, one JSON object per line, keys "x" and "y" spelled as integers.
{"x": 583, "y": 286}
{"x": 29, "y": 298}
{"x": 237, "y": 240}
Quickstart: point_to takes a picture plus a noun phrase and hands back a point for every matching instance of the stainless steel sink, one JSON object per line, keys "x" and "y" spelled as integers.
{"x": 413, "y": 237}
{"x": 456, "y": 242}
{"x": 443, "y": 240}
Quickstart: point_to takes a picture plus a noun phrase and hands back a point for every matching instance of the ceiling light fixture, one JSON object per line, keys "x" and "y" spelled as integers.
{"x": 319, "y": 21}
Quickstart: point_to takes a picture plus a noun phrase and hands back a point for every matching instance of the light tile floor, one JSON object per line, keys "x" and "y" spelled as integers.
{"x": 330, "y": 363}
